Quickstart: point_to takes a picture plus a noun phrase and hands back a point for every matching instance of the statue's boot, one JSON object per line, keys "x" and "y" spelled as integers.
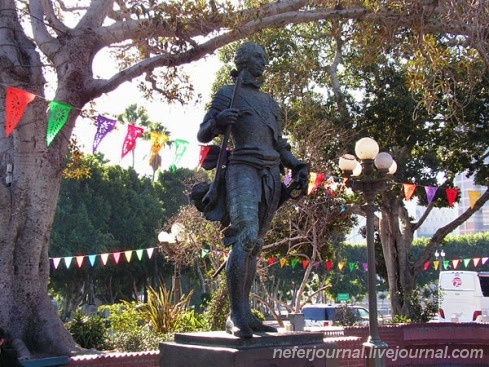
{"x": 236, "y": 269}
{"x": 258, "y": 326}
{"x": 238, "y": 327}
{"x": 253, "y": 321}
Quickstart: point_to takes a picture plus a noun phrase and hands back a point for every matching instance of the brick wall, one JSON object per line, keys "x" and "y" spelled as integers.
{"x": 431, "y": 344}
{"x": 140, "y": 359}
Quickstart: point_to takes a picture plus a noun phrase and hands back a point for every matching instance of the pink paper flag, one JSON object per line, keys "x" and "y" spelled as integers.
{"x": 117, "y": 257}
{"x": 133, "y": 132}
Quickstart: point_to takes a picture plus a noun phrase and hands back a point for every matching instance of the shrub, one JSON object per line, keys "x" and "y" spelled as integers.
{"x": 423, "y": 304}
{"x": 122, "y": 316}
{"x": 217, "y": 309}
{"x": 400, "y": 319}
{"x": 162, "y": 314}
{"x": 88, "y": 332}
{"x": 190, "y": 321}
{"x": 136, "y": 340}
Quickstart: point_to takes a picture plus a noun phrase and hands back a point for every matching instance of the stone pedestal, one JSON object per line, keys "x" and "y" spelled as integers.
{"x": 219, "y": 349}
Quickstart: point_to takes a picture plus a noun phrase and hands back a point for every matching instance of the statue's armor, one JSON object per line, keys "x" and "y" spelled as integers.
{"x": 253, "y": 174}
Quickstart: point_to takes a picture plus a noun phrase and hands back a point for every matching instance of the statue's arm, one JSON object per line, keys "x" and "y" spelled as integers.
{"x": 208, "y": 129}
{"x": 300, "y": 170}
{"x": 218, "y": 116}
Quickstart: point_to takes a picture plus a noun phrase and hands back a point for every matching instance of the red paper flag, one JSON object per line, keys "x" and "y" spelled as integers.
{"x": 305, "y": 264}
{"x": 133, "y": 132}
{"x": 315, "y": 180}
{"x": 451, "y": 196}
{"x": 271, "y": 261}
{"x": 329, "y": 265}
{"x": 426, "y": 265}
{"x": 204, "y": 150}
{"x": 15, "y": 102}
{"x": 408, "y": 190}
{"x": 79, "y": 260}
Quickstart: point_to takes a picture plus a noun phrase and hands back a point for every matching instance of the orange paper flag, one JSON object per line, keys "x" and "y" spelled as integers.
{"x": 16, "y": 101}
{"x": 408, "y": 190}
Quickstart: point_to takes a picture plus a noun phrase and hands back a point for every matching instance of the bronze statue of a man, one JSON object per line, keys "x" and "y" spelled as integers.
{"x": 252, "y": 179}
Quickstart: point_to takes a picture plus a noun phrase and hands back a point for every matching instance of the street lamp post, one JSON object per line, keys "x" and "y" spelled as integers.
{"x": 172, "y": 239}
{"x": 374, "y": 171}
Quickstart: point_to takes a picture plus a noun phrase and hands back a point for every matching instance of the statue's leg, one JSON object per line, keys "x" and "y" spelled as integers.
{"x": 253, "y": 321}
{"x": 267, "y": 206}
{"x": 236, "y": 271}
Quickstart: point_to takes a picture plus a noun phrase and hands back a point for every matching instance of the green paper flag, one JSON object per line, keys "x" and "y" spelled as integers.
{"x": 351, "y": 266}
{"x": 180, "y": 148}
{"x": 466, "y": 262}
{"x": 293, "y": 263}
{"x": 139, "y": 254}
{"x": 58, "y": 115}
{"x": 445, "y": 264}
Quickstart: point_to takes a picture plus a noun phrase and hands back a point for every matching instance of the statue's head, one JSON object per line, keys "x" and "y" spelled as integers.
{"x": 244, "y": 54}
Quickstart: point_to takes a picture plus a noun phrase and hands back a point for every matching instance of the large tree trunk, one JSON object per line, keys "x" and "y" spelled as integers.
{"x": 396, "y": 235}
{"x": 29, "y": 203}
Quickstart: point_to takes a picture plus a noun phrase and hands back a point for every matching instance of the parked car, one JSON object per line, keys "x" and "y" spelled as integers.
{"x": 333, "y": 315}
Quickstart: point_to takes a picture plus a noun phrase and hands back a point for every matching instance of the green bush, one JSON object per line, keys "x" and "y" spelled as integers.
{"x": 258, "y": 314}
{"x": 423, "y": 304}
{"x": 217, "y": 309}
{"x": 122, "y": 316}
{"x": 400, "y": 319}
{"x": 88, "y": 332}
{"x": 136, "y": 340}
{"x": 190, "y": 321}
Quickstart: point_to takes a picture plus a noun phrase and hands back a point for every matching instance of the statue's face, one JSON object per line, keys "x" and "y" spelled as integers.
{"x": 256, "y": 62}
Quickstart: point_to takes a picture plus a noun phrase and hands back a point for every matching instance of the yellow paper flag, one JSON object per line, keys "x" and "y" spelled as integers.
{"x": 157, "y": 142}
{"x": 473, "y": 197}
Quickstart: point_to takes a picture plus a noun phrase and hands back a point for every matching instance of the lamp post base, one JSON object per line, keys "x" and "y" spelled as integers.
{"x": 375, "y": 353}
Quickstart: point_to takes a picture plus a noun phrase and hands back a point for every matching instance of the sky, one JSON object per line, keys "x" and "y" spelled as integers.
{"x": 181, "y": 121}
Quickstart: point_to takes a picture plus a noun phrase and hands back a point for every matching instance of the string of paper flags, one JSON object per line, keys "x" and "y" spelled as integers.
{"x": 116, "y": 257}
{"x": 16, "y": 101}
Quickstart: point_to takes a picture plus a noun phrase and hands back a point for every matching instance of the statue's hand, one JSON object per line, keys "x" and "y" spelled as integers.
{"x": 227, "y": 117}
{"x": 300, "y": 174}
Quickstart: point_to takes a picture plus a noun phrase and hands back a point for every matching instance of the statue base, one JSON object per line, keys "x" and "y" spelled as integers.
{"x": 218, "y": 348}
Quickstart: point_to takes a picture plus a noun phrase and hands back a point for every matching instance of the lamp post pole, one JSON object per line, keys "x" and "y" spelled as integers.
{"x": 375, "y": 170}
{"x": 172, "y": 240}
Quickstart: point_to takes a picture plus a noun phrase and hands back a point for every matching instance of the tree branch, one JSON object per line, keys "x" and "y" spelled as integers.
{"x": 48, "y": 44}
{"x": 442, "y": 232}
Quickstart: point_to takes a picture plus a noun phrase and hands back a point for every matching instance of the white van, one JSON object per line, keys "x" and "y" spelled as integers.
{"x": 464, "y": 296}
